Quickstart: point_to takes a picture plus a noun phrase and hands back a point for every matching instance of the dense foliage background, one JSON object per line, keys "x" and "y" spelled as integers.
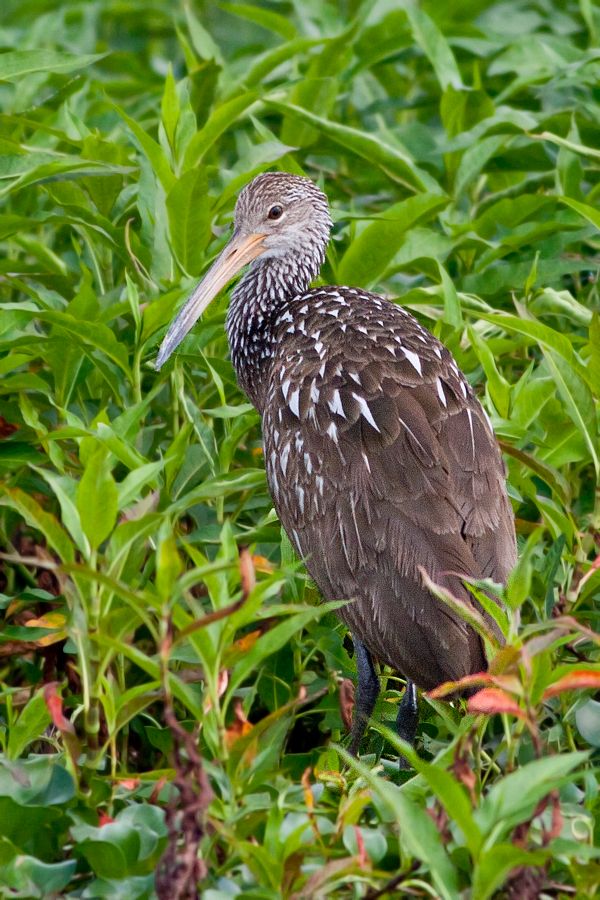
{"x": 158, "y": 677}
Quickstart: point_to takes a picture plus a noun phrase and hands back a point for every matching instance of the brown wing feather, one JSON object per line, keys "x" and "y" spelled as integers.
{"x": 380, "y": 461}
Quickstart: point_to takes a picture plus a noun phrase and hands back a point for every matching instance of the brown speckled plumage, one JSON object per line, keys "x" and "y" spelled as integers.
{"x": 379, "y": 457}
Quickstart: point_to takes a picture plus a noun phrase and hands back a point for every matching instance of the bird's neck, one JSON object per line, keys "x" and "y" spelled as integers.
{"x": 255, "y": 306}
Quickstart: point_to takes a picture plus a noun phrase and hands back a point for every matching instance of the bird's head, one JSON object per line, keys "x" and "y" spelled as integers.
{"x": 277, "y": 216}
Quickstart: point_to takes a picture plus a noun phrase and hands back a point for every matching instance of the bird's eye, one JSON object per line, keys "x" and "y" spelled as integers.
{"x": 275, "y": 212}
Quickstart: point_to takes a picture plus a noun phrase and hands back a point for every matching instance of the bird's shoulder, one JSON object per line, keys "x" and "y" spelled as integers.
{"x": 328, "y": 322}
{"x": 343, "y": 355}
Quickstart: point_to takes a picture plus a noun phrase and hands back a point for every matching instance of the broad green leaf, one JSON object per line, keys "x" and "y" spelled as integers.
{"x": 495, "y": 865}
{"x": 497, "y": 385}
{"x": 452, "y": 308}
{"x": 265, "y": 62}
{"x": 151, "y": 150}
{"x": 418, "y": 832}
{"x": 395, "y": 162}
{"x": 18, "y": 63}
{"x": 64, "y": 489}
{"x": 474, "y": 160}
{"x": 188, "y": 206}
{"x": 273, "y": 21}
{"x": 170, "y": 108}
{"x": 584, "y": 209}
{"x": 31, "y": 723}
{"x": 571, "y": 377}
{"x": 435, "y": 46}
{"x": 373, "y": 250}
{"x": 96, "y": 336}
{"x": 513, "y": 799}
{"x": 318, "y": 89}
{"x": 221, "y": 118}
{"x": 129, "y": 489}
{"x": 236, "y": 481}
{"x": 587, "y": 718}
{"x": 36, "y": 516}
{"x": 447, "y": 789}
{"x": 25, "y": 875}
{"x": 168, "y": 562}
{"x": 274, "y": 639}
{"x": 97, "y": 499}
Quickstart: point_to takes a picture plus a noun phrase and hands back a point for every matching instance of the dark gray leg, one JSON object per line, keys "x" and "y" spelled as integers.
{"x": 407, "y": 719}
{"x": 366, "y": 694}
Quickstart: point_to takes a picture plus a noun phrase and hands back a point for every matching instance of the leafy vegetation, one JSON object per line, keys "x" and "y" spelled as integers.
{"x": 161, "y": 679}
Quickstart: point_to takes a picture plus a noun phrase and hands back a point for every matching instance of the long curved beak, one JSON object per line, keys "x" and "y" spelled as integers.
{"x": 240, "y": 250}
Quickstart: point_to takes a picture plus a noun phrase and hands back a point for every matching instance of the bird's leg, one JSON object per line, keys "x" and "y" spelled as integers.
{"x": 366, "y": 695}
{"x": 407, "y": 719}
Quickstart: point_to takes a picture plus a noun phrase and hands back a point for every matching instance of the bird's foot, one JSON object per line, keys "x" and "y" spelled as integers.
{"x": 366, "y": 694}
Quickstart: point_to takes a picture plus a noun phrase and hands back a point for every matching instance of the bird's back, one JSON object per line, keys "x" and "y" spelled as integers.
{"x": 381, "y": 461}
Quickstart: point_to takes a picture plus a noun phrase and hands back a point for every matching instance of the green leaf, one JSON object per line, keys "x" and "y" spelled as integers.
{"x": 274, "y": 639}
{"x": 514, "y": 798}
{"x": 452, "y": 309}
{"x": 584, "y": 209}
{"x": 27, "y": 876}
{"x": 64, "y": 489}
{"x": 111, "y": 850}
{"x": 168, "y": 562}
{"x": 97, "y": 499}
{"x": 497, "y": 385}
{"x": 90, "y": 336}
{"x": 221, "y": 118}
{"x": 151, "y": 150}
{"x": 130, "y": 488}
{"x": 318, "y": 89}
{"x": 236, "y": 481}
{"x": 31, "y": 723}
{"x": 38, "y": 518}
{"x": 571, "y": 377}
{"x": 587, "y": 718}
{"x": 273, "y": 21}
{"x": 418, "y": 832}
{"x": 374, "y": 249}
{"x": 18, "y": 63}
{"x": 447, "y": 789}
{"x": 188, "y": 207}
{"x": 435, "y": 46}
{"x": 395, "y": 162}
{"x": 495, "y": 865}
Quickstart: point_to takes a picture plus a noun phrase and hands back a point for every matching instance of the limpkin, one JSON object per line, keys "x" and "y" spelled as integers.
{"x": 380, "y": 460}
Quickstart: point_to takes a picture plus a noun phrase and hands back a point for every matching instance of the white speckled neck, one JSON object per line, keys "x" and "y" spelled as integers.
{"x": 254, "y": 308}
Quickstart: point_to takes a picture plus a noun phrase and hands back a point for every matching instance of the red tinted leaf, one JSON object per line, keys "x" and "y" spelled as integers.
{"x": 130, "y": 784}
{"x": 6, "y": 428}
{"x": 506, "y": 682}
{"x": 104, "y": 819}
{"x": 240, "y": 726}
{"x": 493, "y": 700}
{"x": 55, "y": 708}
{"x": 247, "y": 574}
{"x": 574, "y": 681}
{"x": 309, "y": 800}
{"x": 346, "y": 702}
{"x": 363, "y": 859}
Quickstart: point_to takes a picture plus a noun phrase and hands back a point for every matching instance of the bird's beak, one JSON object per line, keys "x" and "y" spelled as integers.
{"x": 241, "y": 249}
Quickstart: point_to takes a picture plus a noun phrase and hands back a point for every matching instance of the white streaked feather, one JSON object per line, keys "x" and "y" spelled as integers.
{"x": 365, "y": 411}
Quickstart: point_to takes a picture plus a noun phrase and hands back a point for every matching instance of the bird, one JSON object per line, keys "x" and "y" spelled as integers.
{"x": 380, "y": 460}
